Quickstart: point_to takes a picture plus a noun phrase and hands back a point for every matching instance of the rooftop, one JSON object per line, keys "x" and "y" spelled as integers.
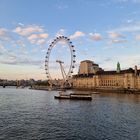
{"x": 130, "y": 70}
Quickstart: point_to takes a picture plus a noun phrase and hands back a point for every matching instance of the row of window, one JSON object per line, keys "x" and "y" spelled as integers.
{"x": 110, "y": 83}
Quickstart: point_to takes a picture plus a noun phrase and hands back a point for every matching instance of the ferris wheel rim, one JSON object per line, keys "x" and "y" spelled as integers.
{"x": 72, "y": 52}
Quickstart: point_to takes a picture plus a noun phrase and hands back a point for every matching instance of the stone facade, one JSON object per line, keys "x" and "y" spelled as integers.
{"x": 113, "y": 81}
{"x": 126, "y": 79}
{"x": 90, "y": 76}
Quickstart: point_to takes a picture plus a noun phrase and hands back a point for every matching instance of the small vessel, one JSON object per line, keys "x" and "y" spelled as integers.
{"x": 74, "y": 96}
{"x": 94, "y": 92}
{"x": 81, "y": 96}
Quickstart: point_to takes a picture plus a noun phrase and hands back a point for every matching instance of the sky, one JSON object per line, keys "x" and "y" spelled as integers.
{"x": 104, "y": 31}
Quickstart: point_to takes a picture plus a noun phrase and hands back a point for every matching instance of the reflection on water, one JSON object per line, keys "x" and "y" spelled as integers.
{"x": 30, "y": 114}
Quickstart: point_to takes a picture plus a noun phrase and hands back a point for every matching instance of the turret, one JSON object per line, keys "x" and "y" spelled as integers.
{"x": 136, "y": 72}
{"x": 118, "y": 67}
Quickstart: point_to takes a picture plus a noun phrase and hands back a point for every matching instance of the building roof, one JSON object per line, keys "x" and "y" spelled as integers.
{"x": 95, "y": 64}
{"x": 88, "y": 61}
{"x": 130, "y": 70}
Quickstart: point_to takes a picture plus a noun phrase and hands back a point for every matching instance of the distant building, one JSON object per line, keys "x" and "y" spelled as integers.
{"x": 92, "y": 77}
{"x": 88, "y": 67}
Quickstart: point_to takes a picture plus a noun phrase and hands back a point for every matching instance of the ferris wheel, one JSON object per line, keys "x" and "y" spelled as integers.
{"x": 65, "y": 75}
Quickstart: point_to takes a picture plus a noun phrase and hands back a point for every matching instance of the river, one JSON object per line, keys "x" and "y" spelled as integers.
{"x": 33, "y": 114}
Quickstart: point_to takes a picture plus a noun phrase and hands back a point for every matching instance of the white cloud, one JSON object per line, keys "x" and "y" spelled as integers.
{"x": 3, "y": 31}
{"x": 41, "y": 42}
{"x": 38, "y": 36}
{"x": 32, "y": 37}
{"x": 4, "y": 34}
{"x": 137, "y": 37}
{"x": 44, "y": 35}
{"x": 133, "y": 27}
{"x": 126, "y": 1}
{"x": 2, "y": 49}
{"x": 16, "y": 60}
{"x": 110, "y": 46}
{"x": 62, "y": 7}
{"x": 61, "y": 32}
{"x": 114, "y": 35}
{"x": 77, "y": 34}
{"x": 117, "y": 41}
{"x": 19, "y": 43}
{"x": 25, "y": 31}
{"x": 38, "y": 39}
{"x": 130, "y": 20}
{"x": 1, "y": 46}
{"x": 96, "y": 36}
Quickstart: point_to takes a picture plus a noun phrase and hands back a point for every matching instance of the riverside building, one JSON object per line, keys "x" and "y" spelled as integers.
{"x": 91, "y": 76}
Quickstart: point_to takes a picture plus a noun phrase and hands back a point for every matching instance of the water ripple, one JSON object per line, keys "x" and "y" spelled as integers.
{"x": 30, "y": 114}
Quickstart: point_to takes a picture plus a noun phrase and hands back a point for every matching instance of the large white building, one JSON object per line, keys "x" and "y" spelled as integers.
{"x": 88, "y": 67}
{"x": 90, "y": 76}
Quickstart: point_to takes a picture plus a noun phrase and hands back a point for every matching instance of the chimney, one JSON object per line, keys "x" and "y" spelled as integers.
{"x": 136, "y": 71}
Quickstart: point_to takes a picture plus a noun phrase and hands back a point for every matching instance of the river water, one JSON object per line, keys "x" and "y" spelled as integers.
{"x": 32, "y": 114}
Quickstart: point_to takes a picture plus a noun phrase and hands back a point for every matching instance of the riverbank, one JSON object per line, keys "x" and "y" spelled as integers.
{"x": 106, "y": 90}
{"x": 110, "y": 90}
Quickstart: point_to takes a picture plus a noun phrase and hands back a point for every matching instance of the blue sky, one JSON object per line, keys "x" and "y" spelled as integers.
{"x": 105, "y": 31}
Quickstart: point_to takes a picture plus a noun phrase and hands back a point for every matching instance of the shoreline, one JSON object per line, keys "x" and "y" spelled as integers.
{"x": 109, "y": 90}
{"x": 94, "y": 90}
{"x": 103, "y": 90}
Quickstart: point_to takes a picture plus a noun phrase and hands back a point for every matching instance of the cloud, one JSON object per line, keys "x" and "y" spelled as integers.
{"x": 62, "y": 7}
{"x": 95, "y": 36}
{"x": 130, "y": 20}
{"x": 113, "y": 41}
{"x": 77, "y": 34}
{"x": 1, "y": 47}
{"x": 114, "y": 35}
{"x": 38, "y": 36}
{"x": 38, "y": 39}
{"x": 61, "y": 32}
{"x": 137, "y": 37}
{"x": 133, "y": 27}
{"x": 12, "y": 57}
{"x": 19, "y": 43}
{"x": 18, "y": 61}
{"x": 25, "y": 31}
{"x": 126, "y": 1}
{"x": 4, "y": 34}
{"x": 41, "y": 42}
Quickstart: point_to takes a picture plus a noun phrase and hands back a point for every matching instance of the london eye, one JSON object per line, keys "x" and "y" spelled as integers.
{"x": 66, "y": 75}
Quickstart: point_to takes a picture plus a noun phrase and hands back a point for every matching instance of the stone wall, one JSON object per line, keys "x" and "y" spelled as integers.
{"x": 115, "y": 81}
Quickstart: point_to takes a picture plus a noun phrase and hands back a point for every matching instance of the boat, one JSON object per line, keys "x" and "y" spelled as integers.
{"x": 73, "y": 96}
{"x": 94, "y": 92}
{"x": 62, "y": 97}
